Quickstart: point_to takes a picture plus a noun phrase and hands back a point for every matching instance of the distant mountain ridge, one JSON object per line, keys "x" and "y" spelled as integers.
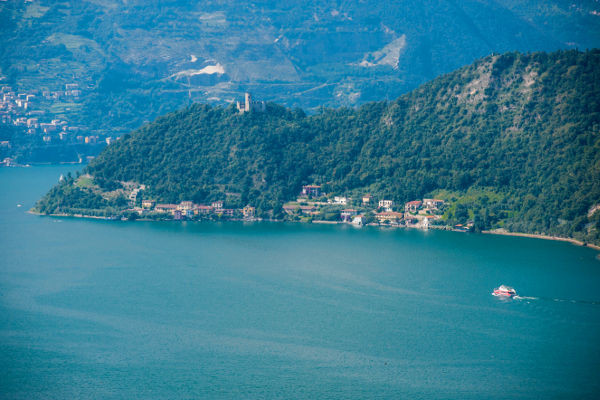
{"x": 511, "y": 141}
{"x": 131, "y": 57}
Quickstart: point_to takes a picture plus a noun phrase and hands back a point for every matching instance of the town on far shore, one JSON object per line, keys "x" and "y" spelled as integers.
{"x": 43, "y": 114}
{"x": 311, "y": 205}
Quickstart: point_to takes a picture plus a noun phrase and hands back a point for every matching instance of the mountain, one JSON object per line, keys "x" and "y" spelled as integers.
{"x": 133, "y": 60}
{"x": 511, "y": 141}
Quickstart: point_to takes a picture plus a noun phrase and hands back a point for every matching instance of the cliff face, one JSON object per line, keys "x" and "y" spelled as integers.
{"x": 510, "y": 141}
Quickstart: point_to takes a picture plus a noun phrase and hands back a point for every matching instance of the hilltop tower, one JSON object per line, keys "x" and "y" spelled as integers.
{"x": 250, "y": 105}
{"x": 248, "y": 98}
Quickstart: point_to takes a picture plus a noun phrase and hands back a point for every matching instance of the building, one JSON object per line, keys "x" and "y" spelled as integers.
{"x": 432, "y": 204}
{"x": 148, "y": 204}
{"x": 249, "y": 211}
{"x": 386, "y": 204}
{"x": 340, "y": 200}
{"x": 228, "y": 212}
{"x": 185, "y": 206}
{"x": 202, "y": 209}
{"x": 47, "y": 127}
{"x": 177, "y": 215}
{"x": 133, "y": 195}
{"x": 347, "y": 214}
{"x": 250, "y": 105}
{"x": 366, "y": 199}
{"x": 389, "y": 217}
{"x": 217, "y": 205}
{"x": 413, "y": 206}
{"x": 166, "y": 208}
{"x": 311, "y": 190}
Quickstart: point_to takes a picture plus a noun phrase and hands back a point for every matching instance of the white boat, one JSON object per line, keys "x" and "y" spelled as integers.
{"x": 506, "y": 291}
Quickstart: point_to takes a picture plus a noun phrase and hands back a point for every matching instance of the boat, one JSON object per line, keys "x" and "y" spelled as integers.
{"x": 503, "y": 290}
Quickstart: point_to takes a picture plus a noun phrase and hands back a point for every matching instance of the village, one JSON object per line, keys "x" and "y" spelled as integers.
{"x": 312, "y": 205}
{"x": 31, "y": 111}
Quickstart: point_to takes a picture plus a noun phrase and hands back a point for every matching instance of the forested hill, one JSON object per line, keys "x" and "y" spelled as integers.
{"x": 514, "y": 138}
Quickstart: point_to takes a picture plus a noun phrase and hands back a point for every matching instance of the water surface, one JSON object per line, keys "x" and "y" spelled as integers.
{"x": 106, "y": 309}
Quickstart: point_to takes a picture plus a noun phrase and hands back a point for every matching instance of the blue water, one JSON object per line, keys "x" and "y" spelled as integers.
{"x": 99, "y": 309}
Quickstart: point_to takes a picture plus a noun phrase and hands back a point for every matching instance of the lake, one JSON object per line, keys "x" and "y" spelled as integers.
{"x": 111, "y": 309}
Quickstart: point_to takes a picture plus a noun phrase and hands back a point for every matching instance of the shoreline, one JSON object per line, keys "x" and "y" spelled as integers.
{"x": 492, "y": 232}
{"x": 544, "y": 237}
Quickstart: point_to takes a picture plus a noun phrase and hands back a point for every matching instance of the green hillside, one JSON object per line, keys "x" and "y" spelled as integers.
{"x": 510, "y": 141}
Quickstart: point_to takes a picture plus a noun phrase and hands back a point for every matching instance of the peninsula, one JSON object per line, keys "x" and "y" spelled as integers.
{"x": 510, "y": 142}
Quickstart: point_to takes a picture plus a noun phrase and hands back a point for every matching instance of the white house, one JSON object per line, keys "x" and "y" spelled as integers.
{"x": 386, "y": 204}
{"x": 340, "y": 200}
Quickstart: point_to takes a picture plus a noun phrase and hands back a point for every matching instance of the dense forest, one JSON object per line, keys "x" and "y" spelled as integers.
{"x": 510, "y": 141}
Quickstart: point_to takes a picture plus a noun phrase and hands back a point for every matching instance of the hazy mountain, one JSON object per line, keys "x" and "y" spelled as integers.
{"x": 135, "y": 60}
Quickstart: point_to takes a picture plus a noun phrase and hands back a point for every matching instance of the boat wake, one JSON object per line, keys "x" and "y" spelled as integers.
{"x": 589, "y": 302}
{"x": 525, "y": 298}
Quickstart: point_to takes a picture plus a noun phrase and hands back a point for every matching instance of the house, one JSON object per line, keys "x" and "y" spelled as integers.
{"x": 386, "y": 204}
{"x": 389, "y": 217}
{"x": 311, "y": 190}
{"x": 133, "y": 195}
{"x": 249, "y": 211}
{"x": 148, "y": 204}
{"x": 366, "y": 199}
{"x": 166, "y": 208}
{"x": 347, "y": 214}
{"x": 413, "y": 206}
{"x": 185, "y": 206}
{"x": 217, "y": 205}
{"x": 340, "y": 200}
{"x": 432, "y": 204}
{"x": 228, "y": 212}
{"x": 202, "y": 209}
{"x": 177, "y": 215}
